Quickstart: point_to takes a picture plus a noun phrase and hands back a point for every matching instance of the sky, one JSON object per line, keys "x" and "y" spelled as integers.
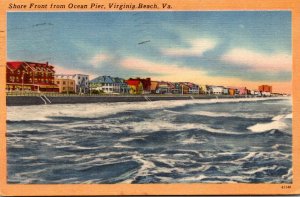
{"x": 237, "y": 48}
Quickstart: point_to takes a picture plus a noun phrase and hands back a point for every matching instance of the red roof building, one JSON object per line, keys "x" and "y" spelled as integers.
{"x": 135, "y": 85}
{"x": 30, "y": 76}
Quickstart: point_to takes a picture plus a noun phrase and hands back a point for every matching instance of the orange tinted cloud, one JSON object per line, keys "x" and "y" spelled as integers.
{"x": 175, "y": 72}
{"x": 259, "y": 61}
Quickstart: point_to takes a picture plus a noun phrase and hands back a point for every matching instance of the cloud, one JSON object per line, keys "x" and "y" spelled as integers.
{"x": 259, "y": 61}
{"x": 171, "y": 72}
{"x": 99, "y": 58}
{"x": 196, "y": 48}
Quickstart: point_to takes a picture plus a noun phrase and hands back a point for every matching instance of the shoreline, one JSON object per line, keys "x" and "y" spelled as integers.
{"x": 77, "y": 99}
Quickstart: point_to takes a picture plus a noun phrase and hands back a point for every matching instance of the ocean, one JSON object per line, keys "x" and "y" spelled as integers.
{"x": 190, "y": 141}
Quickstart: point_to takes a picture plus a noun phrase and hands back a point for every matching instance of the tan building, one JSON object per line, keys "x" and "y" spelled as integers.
{"x": 65, "y": 85}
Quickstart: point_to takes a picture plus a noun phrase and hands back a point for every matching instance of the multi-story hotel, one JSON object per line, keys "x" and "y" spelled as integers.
{"x": 30, "y": 76}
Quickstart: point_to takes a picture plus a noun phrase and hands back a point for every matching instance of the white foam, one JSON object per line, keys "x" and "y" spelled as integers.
{"x": 247, "y": 157}
{"x": 261, "y": 169}
{"x": 145, "y": 167}
{"x": 192, "y": 141}
{"x": 289, "y": 116}
{"x": 43, "y": 112}
{"x": 262, "y": 127}
{"x": 212, "y": 114}
{"x": 277, "y": 123}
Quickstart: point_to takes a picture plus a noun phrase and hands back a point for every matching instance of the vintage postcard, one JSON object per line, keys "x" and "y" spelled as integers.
{"x": 149, "y": 97}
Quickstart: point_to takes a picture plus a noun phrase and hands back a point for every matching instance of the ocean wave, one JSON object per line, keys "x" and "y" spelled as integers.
{"x": 277, "y": 123}
{"x": 92, "y": 110}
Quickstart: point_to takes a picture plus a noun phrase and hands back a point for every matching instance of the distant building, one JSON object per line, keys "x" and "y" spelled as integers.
{"x": 163, "y": 88}
{"x": 202, "y": 89}
{"x": 211, "y": 89}
{"x": 109, "y": 85}
{"x": 81, "y": 82}
{"x": 175, "y": 88}
{"x": 146, "y": 82}
{"x": 154, "y": 86}
{"x": 226, "y": 91}
{"x": 265, "y": 88}
{"x": 120, "y": 85}
{"x": 65, "y": 85}
{"x": 30, "y": 76}
{"x": 135, "y": 85}
{"x": 238, "y": 90}
{"x": 193, "y": 88}
{"x": 146, "y": 85}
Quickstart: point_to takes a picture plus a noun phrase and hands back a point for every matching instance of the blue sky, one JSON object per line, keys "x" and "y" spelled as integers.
{"x": 233, "y": 46}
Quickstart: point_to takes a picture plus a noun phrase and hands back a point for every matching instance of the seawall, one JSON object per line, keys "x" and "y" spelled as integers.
{"x": 42, "y": 100}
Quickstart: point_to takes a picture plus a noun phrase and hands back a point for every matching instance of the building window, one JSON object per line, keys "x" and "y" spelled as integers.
{"x": 30, "y": 79}
{"x": 19, "y": 72}
{"x": 71, "y": 83}
{"x": 64, "y": 83}
{"x": 57, "y": 82}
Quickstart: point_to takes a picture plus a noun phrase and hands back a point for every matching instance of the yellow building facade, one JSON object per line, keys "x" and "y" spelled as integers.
{"x": 65, "y": 85}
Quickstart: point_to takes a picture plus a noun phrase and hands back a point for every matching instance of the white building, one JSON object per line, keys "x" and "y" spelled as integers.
{"x": 215, "y": 89}
{"x": 109, "y": 85}
{"x": 81, "y": 82}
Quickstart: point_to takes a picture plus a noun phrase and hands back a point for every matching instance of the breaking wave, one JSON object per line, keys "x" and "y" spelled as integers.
{"x": 195, "y": 141}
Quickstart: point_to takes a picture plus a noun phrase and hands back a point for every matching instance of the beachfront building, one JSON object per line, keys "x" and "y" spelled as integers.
{"x": 135, "y": 86}
{"x": 184, "y": 88}
{"x": 175, "y": 88}
{"x": 211, "y": 89}
{"x": 120, "y": 85}
{"x": 81, "y": 82}
{"x": 232, "y": 91}
{"x": 108, "y": 85}
{"x": 153, "y": 87}
{"x": 255, "y": 92}
{"x": 265, "y": 88}
{"x": 238, "y": 90}
{"x": 203, "y": 89}
{"x": 65, "y": 85}
{"x": 163, "y": 88}
{"x": 146, "y": 85}
{"x": 193, "y": 88}
{"x": 102, "y": 84}
{"x": 226, "y": 91}
{"x": 30, "y": 76}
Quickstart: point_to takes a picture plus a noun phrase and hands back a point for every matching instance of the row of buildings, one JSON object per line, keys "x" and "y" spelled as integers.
{"x": 41, "y": 77}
